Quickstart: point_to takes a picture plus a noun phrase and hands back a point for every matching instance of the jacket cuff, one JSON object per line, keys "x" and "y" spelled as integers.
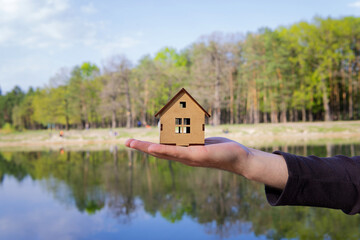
{"x": 278, "y": 197}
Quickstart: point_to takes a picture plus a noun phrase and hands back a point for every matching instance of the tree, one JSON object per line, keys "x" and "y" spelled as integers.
{"x": 10, "y": 100}
{"x": 170, "y": 75}
{"x": 210, "y": 68}
{"x": 22, "y": 114}
{"x": 116, "y": 91}
{"x": 145, "y": 82}
{"x": 83, "y": 93}
{"x": 308, "y": 71}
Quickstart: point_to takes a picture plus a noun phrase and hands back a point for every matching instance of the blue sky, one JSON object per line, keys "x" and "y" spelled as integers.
{"x": 39, "y": 37}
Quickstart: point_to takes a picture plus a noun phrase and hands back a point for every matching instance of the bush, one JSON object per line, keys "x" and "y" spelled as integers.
{"x": 7, "y": 128}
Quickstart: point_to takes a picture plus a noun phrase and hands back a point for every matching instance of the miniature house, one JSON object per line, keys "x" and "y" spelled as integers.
{"x": 182, "y": 121}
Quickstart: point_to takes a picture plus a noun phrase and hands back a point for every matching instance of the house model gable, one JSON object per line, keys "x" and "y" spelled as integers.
{"x": 182, "y": 121}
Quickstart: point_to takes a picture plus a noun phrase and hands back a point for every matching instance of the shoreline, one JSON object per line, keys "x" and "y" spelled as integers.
{"x": 252, "y": 135}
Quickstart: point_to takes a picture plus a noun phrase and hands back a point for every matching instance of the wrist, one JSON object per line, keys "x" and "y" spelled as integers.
{"x": 244, "y": 161}
{"x": 248, "y": 169}
{"x": 266, "y": 168}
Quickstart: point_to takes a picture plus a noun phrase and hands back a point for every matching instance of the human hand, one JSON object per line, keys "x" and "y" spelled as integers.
{"x": 225, "y": 154}
{"x": 218, "y": 152}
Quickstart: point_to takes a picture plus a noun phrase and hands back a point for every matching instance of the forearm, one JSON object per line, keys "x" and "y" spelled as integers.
{"x": 267, "y": 168}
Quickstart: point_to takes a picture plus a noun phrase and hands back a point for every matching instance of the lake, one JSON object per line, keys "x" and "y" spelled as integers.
{"x": 119, "y": 193}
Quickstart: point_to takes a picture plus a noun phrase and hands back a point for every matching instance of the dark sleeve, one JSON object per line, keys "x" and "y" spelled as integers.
{"x": 320, "y": 182}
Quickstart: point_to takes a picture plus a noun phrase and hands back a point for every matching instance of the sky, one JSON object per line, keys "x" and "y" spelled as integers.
{"x": 40, "y": 37}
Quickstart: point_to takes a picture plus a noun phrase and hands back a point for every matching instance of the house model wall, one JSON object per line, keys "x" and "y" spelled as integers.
{"x": 182, "y": 121}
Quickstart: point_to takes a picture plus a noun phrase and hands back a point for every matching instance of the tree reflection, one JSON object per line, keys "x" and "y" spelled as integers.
{"x": 119, "y": 186}
{"x": 225, "y": 204}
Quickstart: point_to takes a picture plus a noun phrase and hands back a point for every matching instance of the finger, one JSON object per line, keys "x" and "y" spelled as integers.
{"x": 128, "y": 142}
{"x": 140, "y": 145}
{"x": 184, "y": 155}
{"x": 176, "y": 152}
{"x": 144, "y": 147}
{"x": 148, "y": 146}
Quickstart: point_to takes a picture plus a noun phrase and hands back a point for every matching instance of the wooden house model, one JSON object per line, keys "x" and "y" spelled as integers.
{"x": 182, "y": 121}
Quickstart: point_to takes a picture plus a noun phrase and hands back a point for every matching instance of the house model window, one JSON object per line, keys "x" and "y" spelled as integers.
{"x": 178, "y": 125}
{"x": 186, "y": 128}
{"x": 177, "y": 129}
{"x": 183, "y": 104}
{"x": 182, "y": 125}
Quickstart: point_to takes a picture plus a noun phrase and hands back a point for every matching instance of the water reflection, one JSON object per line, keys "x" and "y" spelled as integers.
{"x": 125, "y": 183}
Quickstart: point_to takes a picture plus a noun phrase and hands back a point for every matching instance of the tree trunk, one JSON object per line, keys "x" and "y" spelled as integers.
{"x": 239, "y": 105}
{"x": 250, "y": 109}
{"x": 303, "y": 113}
{"x": 351, "y": 107}
{"x": 129, "y": 122}
{"x": 283, "y": 103}
{"x": 231, "y": 86}
{"x": 67, "y": 126}
{"x": 325, "y": 100}
{"x": 311, "y": 116}
{"x": 256, "y": 107}
{"x": 113, "y": 119}
{"x": 145, "y": 106}
{"x": 217, "y": 112}
{"x": 265, "y": 116}
{"x": 336, "y": 93}
{"x": 343, "y": 83}
{"x": 274, "y": 113}
{"x": 291, "y": 117}
{"x": 283, "y": 112}
{"x": 296, "y": 115}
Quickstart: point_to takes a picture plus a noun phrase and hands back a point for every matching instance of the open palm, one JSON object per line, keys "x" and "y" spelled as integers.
{"x": 221, "y": 153}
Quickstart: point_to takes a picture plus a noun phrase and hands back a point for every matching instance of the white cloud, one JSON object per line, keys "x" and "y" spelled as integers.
{"x": 355, "y": 4}
{"x": 5, "y": 34}
{"x": 89, "y": 9}
{"x": 55, "y": 24}
{"x": 42, "y": 24}
{"x": 139, "y": 33}
{"x": 127, "y": 42}
{"x": 117, "y": 45}
{"x": 53, "y": 32}
{"x": 30, "y": 10}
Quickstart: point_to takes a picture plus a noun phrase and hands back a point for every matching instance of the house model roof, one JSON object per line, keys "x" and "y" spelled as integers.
{"x": 175, "y": 97}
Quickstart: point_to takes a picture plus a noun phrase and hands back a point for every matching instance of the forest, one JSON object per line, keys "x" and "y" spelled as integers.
{"x": 308, "y": 71}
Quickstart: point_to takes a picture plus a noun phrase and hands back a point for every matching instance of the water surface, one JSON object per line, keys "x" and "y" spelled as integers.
{"x": 124, "y": 194}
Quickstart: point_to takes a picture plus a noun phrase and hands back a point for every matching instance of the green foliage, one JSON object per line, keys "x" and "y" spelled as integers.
{"x": 89, "y": 70}
{"x": 22, "y": 115}
{"x": 92, "y": 207}
{"x": 7, "y": 128}
{"x": 171, "y": 57}
{"x": 306, "y": 71}
{"x": 8, "y": 102}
